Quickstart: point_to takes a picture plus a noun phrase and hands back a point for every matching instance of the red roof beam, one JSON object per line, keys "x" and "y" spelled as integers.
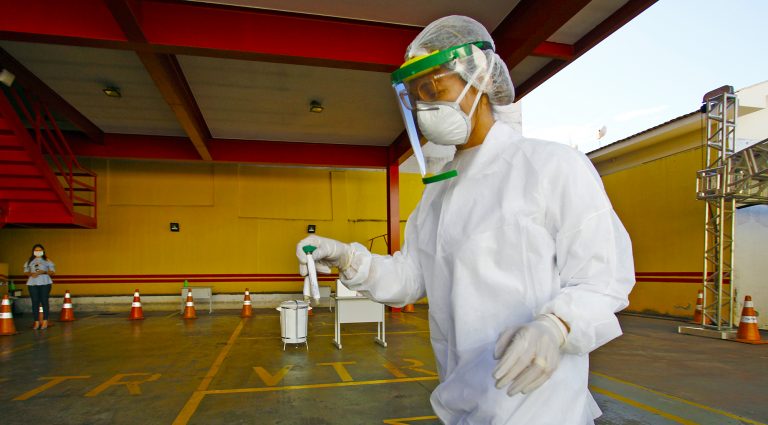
{"x": 81, "y": 22}
{"x": 275, "y": 36}
{"x": 549, "y": 49}
{"x": 128, "y": 146}
{"x": 168, "y": 77}
{"x": 212, "y": 30}
{"x": 618, "y": 19}
{"x": 530, "y": 24}
{"x": 296, "y": 153}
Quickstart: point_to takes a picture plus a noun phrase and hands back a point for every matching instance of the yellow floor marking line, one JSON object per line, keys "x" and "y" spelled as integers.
{"x": 314, "y": 386}
{"x": 220, "y": 359}
{"x": 48, "y": 338}
{"x": 194, "y": 400}
{"x": 19, "y": 348}
{"x": 639, "y": 405}
{"x": 172, "y": 314}
{"x": 406, "y": 421}
{"x": 189, "y": 408}
{"x": 54, "y": 380}
{"x": 681, "y": 400}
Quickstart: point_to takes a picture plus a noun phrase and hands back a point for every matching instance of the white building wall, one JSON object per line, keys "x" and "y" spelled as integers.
{"x": 750, "y": 268}
{"x": 751, "y": 237}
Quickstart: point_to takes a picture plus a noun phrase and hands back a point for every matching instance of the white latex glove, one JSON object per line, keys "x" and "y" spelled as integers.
{"x": 328, "y": 253}
{"x": 529, "y": 355}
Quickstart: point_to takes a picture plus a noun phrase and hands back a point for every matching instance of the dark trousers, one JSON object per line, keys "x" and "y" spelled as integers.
{"x": 39, "y": 295}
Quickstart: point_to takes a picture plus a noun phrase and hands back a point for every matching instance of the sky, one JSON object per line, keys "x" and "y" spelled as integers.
{"x": 652, "y": 70}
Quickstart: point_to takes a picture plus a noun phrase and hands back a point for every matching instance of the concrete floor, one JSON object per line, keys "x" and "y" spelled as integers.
{"x": 219, "y": 369}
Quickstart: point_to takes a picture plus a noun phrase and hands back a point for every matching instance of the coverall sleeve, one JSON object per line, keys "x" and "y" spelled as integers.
{"x": 394, "y": 280}
{"x": 593, "y": 256}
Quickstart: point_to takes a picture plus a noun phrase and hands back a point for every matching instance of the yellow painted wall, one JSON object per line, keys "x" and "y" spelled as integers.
{"x": 656, "y": 201}
{"x": 234, "y": 219}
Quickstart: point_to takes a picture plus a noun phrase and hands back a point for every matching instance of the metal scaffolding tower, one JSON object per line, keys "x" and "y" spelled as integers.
{"x": 728, "y": 181}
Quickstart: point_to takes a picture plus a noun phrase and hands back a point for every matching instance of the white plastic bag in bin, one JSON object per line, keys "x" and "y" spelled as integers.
{"x": 293, "y": 322}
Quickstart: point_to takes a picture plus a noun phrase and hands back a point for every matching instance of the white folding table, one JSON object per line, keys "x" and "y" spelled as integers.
{"x": 198, "y": 293}
{"x": 358, "y": 310}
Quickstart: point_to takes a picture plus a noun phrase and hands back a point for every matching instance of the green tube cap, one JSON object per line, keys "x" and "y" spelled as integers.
{"x": 308, "y": 249}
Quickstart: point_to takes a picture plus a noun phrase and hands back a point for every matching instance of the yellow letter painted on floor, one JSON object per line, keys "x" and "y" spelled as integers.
{"x": 54, "y": 380}
{"x": 394, "y": 370}
{"x": 340, "y": 370}
{"x": 416, "y": 367}
{"x": 272, "y": 380}
{"x": 133, "y": 386}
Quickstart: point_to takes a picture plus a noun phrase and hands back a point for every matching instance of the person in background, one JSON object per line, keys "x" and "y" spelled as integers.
{"x": 39, "y": 269}
{"x": 515, "y": 243}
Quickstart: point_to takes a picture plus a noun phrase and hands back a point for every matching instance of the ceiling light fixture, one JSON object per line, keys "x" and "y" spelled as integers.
{"x": 112, "y": 92}
{"x": 316, "y": 107}
{"x": 6, "y": 77}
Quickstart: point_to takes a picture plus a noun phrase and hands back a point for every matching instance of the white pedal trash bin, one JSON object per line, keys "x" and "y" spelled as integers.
{"x": 293, "y": 322}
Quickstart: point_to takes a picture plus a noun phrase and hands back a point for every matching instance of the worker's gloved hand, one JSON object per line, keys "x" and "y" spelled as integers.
{"x": 328, "y": 253}
{"x": 529, "y": 355}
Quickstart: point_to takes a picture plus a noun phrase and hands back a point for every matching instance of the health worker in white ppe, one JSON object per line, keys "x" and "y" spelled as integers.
{"x": 516, "y": 245}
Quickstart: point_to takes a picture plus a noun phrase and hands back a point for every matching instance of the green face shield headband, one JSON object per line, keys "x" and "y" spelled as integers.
{"x": 415, "y": 68}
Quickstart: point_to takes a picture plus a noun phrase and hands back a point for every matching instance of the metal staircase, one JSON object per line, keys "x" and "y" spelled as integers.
{"x": 42, "y": 184}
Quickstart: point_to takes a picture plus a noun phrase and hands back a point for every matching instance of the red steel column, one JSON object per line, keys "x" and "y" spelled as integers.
{"x": 393, "y": 208}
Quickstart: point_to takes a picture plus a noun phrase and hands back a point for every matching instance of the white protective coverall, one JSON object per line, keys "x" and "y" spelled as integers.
{"x": 525, "y": 229}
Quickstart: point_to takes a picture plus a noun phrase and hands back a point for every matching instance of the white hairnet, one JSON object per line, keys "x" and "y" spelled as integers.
{"x": 456, "y": 30}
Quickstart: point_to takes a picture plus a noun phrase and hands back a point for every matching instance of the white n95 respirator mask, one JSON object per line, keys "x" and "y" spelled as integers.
{"x": 444, "y": 123}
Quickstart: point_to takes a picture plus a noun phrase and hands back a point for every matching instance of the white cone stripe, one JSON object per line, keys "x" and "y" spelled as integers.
{"x": 190, "y": 304}
{"x": 246, "y": 303}
{"x": 135, "y": 304}
{"x": 41, "y": 309}
{"x": 135, "y": 294}
{"x": 6, "y": 316}
{"x": 749, "y": 304}
{"x": 247, "y": 293}
{"x": 698, "y": 308}
{"x": 66, "y": 305}
{"x": 749, "y": 319}
{"x": 6, "y": 302}
{"x": 700, "y": 296}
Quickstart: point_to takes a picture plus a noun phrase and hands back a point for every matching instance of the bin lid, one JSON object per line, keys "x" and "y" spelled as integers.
{"x": 294, "y": 304}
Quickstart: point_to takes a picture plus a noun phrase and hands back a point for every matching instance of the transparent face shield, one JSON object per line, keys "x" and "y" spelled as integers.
{"x": 408, "y": 93}
{"x": 409, "y": 118}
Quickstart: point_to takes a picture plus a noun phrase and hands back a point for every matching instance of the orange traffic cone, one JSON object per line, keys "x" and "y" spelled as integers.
{"x": 409, "y": 308}
{"x": 748, "y": 331}
{"x": 136, "y": 312}
{"x": 189, "y": 309}
{"x": 67, "y": 314}
{"x": 698, "y": 315}
{"x": 247, "y": 309}
{"x": 7, "y": 327}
